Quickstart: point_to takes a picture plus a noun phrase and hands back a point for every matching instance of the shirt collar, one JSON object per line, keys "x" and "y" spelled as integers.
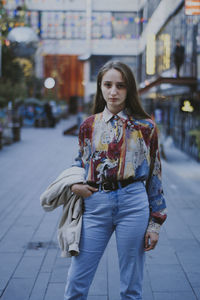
{"x": 107, "y": 115}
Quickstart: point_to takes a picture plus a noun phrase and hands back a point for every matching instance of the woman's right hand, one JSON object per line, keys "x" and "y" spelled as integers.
{"x": 83, "y": 190}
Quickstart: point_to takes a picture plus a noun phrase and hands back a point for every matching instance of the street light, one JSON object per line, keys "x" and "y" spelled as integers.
{"x": 49, "y": 83}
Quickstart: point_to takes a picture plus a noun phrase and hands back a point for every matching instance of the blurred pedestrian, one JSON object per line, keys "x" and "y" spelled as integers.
{"x": 179, "y": 53}
{"x": 49, "y": 115}
{"x": 122, "y": 191}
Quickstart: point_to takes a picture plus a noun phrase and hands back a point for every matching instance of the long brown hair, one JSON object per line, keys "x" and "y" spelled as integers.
{"x": 133, "y": 103}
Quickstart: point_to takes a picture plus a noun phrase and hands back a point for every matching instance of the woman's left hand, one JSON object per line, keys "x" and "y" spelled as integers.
{"x": 151, "y": 239}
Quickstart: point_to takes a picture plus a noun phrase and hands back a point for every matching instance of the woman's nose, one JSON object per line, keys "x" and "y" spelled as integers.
{"x": 113, "y": 90}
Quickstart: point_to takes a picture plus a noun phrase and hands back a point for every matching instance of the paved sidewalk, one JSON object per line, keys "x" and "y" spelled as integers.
{"x": 30, "y": 262}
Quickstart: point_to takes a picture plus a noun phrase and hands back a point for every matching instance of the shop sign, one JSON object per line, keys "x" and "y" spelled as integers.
{"x": 192, "y": 7}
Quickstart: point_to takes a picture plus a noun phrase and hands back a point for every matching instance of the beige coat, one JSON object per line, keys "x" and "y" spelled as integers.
{"x": 59, "y": 193}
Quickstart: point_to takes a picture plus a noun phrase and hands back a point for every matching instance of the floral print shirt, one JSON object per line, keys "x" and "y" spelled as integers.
{"x": 119, "y": 147}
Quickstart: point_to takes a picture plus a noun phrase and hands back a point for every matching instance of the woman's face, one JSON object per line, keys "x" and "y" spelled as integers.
{"x": 114, "y": 90}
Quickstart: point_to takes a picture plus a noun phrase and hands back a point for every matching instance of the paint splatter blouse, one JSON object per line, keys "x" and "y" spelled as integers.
{"x": 119, "y": 147}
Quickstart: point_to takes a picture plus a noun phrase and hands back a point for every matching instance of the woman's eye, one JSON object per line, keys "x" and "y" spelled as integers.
{"x": 121, "y": 86}
{"x": 107, "y": 84}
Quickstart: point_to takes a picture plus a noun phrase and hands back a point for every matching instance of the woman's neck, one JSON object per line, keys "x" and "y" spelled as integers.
{"x": 114, "y": 110}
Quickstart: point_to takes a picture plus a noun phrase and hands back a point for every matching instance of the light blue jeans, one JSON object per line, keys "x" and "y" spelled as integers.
{"x": 125, "y": 211}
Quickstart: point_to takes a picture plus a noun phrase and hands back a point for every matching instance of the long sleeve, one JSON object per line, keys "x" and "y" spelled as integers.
{"x": 154, "y": 186}
{"x": 78, "y": 162}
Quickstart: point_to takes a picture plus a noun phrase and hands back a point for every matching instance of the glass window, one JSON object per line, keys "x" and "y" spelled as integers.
{"x": 58, "y": 25}
{"x": 101, "y": 25}
{"x": 125, "y": 25}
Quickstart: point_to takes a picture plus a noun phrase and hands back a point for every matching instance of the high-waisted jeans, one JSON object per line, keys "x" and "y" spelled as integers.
{"x": 125, "y": 211}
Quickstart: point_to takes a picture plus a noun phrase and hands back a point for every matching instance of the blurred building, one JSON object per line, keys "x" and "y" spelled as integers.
{"x": 78, "y": 36}
{"x": 174, "y": 102}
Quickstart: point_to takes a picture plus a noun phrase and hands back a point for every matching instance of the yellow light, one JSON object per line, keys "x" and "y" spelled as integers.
{"x": 166, "y": 50}
{"x": 187, "y": 107}
{"x": 83, "y": 82}
{"x": 151, "y": 54}
{"x": 22, "y": 13}
{"x": 4, "y": 27}
{"x": 137, "y": 20}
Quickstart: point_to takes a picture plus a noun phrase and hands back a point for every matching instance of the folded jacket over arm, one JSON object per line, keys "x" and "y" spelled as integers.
{"x": 59, "y": 193}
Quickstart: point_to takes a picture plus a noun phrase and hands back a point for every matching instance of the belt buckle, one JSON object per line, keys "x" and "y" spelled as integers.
{"x": 103, "y": 187}
{"x": 112, "y": 185}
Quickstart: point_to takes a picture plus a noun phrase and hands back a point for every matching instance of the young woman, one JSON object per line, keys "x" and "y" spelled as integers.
{"x": 123, "y": 190}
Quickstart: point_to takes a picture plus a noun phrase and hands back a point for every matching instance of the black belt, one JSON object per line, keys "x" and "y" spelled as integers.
{"x": 113, "y": 185}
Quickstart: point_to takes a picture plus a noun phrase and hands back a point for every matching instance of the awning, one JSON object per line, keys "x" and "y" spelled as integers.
{"x": 168, "y": 81}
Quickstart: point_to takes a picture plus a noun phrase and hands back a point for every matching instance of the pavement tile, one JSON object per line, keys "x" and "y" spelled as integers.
{"x": 191, "y": 216}
{"x": 146, "y": 278}
{"x": 197, "y": 293}
{"x": 35, "y": 252}
{"x": 182, "y": 245}
{"x": 18, "y": 289}
{"x": 28, "y": 267}
{"x": 175, "y": 296}
{"x": 162, "y": 254}
{"x": 55, "y": 291}
{"x": 19, "y": 235}
{"x": 60, "y": 270}
{"x": 8, "y": 263}
{"x": 196, "y": 232}
{"x": 10, "y": 216}
{"x": 147, "y": 291}
{"x": 163, "y": 238}
{"x": 190, "y": 255}
{"x": 49, "y": 261}
{"x": 193, "y": 273}
{"x": 166, "y": 278}
{"x": 44, "y": 236}
{"x": 182, "y": 230}
{"x": 40, "y": 287}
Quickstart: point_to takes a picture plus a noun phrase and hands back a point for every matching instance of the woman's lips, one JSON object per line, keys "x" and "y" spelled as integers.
{"x": 113, "y": 99}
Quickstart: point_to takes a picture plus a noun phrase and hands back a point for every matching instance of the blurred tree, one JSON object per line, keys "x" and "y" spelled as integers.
{"x": 34, "y": 86}
{"x": 11, "y": 91}
{"x": 17, "y": 79}
{"x": 11, "y": 68}
{"x": 12, "y": 83}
